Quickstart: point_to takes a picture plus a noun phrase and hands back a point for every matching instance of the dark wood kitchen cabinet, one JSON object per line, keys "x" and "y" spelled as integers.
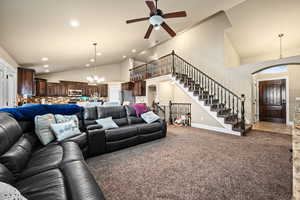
{"x": 103, "y": 90}
{"x": 53, "y": 89}
{"x": 40, "y": 87}
{"x": 139, "y": 88}
{"x": 127, "y": 86}
{"x": 26, "y": 82}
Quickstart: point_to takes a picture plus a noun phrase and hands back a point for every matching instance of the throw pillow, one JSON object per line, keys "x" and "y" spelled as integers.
{"x": 107, "y": 123}
{"x": 8, "y": 192}
{"x": 65, "y": 130}
{"x": 150, "y": 117}
{"x": 67, "y": 118}
{"x": 42, "y": 128}
{"x": 140, "y": 108}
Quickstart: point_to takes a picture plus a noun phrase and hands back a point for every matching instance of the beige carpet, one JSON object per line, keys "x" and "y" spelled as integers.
{"x": 195, "y": 164}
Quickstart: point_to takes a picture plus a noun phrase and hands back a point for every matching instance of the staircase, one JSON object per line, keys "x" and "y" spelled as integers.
{"x": 221, "y": 103}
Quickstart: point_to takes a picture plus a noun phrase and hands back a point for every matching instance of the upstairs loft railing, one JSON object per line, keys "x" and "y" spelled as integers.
{"x": 200, "y": 81}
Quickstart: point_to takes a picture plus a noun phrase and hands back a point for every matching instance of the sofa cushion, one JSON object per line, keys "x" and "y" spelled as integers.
{"x": 90, "y": 113}
{"x": 120, "y": 133}
{"x": 47, "y": 185}
{"x": 118, "y": 114}
{"x": 81, "y": 140}
{"x": 51, "y": 157}
{"x": 148, "y": 128}
{"x": 66, "y": 118}
{"x": 16, "y": 158}
{"x": 10, "y": 132}
{"x": 150, "y": 117}
{"x": 107, "y": 123}
{"x": 43, "y": 128}
{"x": 132, "y": 117}
{"x": 65, "y": 130}
{"x": 79, "y": 182}
{"x": 5, "y": 175}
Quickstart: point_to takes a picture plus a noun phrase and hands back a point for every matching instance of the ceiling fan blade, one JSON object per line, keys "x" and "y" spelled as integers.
{"x": 149, "y": 31}
{"x": 137, "y": 20}
{"x": 151, "y": 6}
{"x": 168, "y": 29}
{"x": 175, "y": 14}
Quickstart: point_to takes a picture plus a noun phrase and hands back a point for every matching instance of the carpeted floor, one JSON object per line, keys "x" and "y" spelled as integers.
{"x": 195, "y": 164}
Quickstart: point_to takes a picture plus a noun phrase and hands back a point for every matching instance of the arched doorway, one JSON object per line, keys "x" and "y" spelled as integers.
{"x": 276, "y": 93}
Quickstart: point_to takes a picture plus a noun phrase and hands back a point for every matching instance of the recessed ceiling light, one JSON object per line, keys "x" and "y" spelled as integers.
{"x": 74, "y": 23}
{"x": 99, "y": 54}
{"x": 46, "y": 66}
{"x": 87, "y": 65}
{"x": 133, "y": 50}
{"x": 124, "y": 56}
{"x": 92, "y": 60}
{"x": 45, "y": 59}
{"x": 47, "y": 70}
{"x": 143, "y": 52}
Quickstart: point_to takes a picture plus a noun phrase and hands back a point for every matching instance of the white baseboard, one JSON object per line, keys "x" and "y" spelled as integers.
{"x": 213, "y": 128}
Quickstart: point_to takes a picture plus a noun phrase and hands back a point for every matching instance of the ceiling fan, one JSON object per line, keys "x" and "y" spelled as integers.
{"x": 157, "y": 19}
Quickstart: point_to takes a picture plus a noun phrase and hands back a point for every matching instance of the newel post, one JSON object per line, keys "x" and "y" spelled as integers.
{"x": 173, "y": 63}
{"x": 243, "y": 98}
{"x": 170, "y": 112}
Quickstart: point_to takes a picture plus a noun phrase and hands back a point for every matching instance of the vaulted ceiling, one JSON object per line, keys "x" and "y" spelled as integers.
{"x": 33, "y": 29}
{"x": 257, "y": 23}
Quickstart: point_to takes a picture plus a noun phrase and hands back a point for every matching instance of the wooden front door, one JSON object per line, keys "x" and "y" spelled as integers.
{"x": 272, "y": 101}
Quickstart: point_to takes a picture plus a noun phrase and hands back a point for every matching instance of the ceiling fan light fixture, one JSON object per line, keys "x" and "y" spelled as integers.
{"x": 156, "y": 20}
{"x": 157, "y": 27}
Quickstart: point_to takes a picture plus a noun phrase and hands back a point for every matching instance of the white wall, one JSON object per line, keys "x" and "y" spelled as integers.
{"x": 231, "y": 56}
{"x": 7, "y": 58}
{"x": 111, "y": 73}
{"x": 207, "y": 49}
{"x": 167, "y": 91}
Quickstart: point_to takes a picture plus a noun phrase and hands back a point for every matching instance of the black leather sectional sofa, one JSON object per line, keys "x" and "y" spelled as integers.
{"x": 58, "y": 171}
{"x": 54, "y": 172}
{"x": 132, "y": 129}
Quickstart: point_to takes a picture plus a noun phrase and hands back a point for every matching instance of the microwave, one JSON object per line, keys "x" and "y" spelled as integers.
{"x": 75, "y": 93}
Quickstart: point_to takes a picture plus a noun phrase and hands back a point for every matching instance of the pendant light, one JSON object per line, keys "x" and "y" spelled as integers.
{"x": 280, "y": 40}
{"x": 94, "y": 79}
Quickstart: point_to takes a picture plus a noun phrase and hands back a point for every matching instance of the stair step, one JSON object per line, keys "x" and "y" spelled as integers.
{"x": 211, "y": 102}
{"x": 248, "y": 128}
{"x": 224, "y": 111}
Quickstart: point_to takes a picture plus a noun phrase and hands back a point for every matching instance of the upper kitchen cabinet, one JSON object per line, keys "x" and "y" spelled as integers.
{"x": 26, "y": 82}
{"x": 139, "y": 88}
{"x": 103, "y": 90}
{"x": 40, "y": 87}
{"x": 127, "y": 86}
{"x": 53, "y": 89}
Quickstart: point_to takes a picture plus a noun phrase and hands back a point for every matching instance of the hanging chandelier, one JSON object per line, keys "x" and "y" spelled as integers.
{"x": 93, "y": 79}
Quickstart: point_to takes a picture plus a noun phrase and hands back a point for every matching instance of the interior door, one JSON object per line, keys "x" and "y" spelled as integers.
{"x": 272, "y": 101}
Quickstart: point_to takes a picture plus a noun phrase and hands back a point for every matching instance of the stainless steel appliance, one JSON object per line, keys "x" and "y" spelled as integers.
{"x": 75, "y": 93}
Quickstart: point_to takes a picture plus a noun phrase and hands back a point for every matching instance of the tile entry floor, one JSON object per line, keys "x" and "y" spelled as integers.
{"x": 273, "y": 127}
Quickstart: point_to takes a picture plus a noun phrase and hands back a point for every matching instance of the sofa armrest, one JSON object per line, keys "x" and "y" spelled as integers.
{"x": 164, "y": 127}
{"x": 93, "y": 127}
{"x": 96, "y": 140}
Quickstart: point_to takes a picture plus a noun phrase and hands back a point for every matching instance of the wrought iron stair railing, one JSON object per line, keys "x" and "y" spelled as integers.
{"x": 222, "y": 100}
